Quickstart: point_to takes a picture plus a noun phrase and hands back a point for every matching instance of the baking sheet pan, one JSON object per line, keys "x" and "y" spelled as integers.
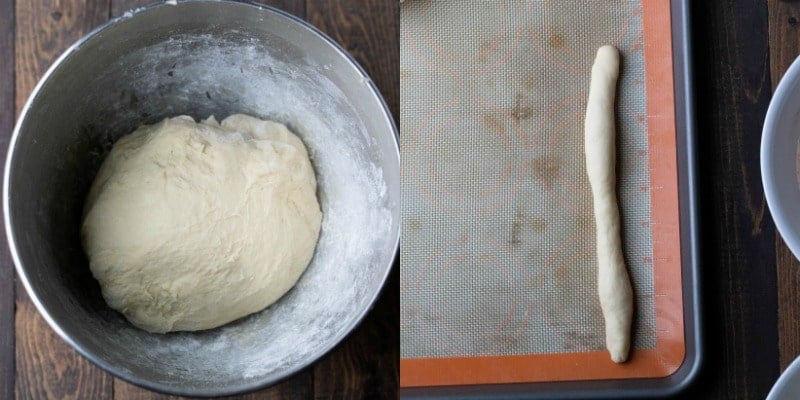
{"x": 477, "y": 313}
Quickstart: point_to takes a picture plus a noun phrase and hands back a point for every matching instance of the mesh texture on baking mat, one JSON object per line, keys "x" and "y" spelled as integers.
{"x": 497, "y": 252}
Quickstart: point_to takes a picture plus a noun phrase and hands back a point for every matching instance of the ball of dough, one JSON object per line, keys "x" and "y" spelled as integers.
{"x": 189, "y": 225}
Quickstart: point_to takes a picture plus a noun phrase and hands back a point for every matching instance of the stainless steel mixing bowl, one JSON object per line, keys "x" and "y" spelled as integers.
{"x": 202, "y": 58}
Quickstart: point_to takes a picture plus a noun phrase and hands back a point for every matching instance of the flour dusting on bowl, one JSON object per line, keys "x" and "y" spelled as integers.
{"x": 204, "y": 58}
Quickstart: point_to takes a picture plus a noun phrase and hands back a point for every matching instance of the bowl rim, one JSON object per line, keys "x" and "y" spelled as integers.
{"x": 120, "y": 372}
{"x": 768, "y": 138}
{"x": 790, "y": 374}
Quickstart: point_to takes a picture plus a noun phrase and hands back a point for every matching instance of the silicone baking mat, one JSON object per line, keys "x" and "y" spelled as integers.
{"x": 498, "y": 271}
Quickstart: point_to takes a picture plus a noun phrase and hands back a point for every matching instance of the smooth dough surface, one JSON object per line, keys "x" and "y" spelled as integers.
{"x": 613, "y": 282}
{"x": 189, "y": 226}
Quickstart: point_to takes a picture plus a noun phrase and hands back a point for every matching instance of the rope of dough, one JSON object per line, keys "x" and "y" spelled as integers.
{"x": 613, "y": 283}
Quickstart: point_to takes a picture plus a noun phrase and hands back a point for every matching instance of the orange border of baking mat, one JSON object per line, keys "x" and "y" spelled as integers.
{"x": 670, "y": 349}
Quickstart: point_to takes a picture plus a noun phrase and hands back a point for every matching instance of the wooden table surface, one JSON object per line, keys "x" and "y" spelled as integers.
{"x": 751, "y": 282}
{"x": 34, "y": 362}
{"x": 751, "y": 285}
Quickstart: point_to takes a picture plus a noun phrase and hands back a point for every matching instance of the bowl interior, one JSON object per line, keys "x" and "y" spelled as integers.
{"x": 780, "y": 164}
{"x": 206, "y": 58}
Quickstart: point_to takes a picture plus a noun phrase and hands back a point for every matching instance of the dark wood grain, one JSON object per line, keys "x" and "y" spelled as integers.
{"x": 49, "y": 369}
{"x": 46, "y": 367}
{"x": 127, "y": 391}
{"x": 298, "y": 386}
{"x": 366, "y": 364}
{"x": 7, "y": 298}
{"x": 294, "y": 7}
{"x": 788, "y": 304}
{"x": 784, "y": 42}
{"x": 735, "y": 74}
{"x": 369, "y": 31}
{"x": 733, "y": 89}
{"x": 44, "y": 29}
